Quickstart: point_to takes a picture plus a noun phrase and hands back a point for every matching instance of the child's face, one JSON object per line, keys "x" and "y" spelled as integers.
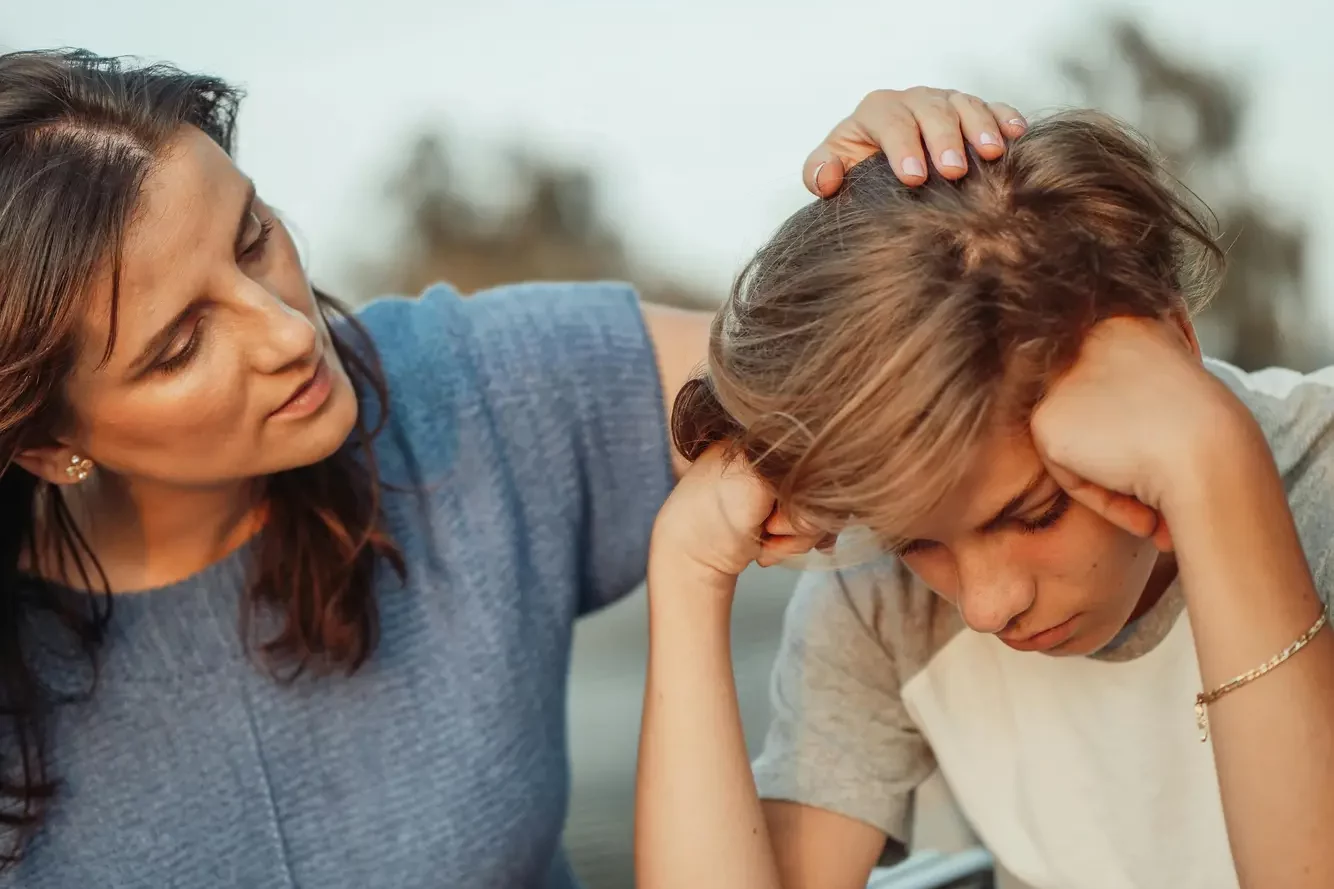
{"x": 1020, "y": 559}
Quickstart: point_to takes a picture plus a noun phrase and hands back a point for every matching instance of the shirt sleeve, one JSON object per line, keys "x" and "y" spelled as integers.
{"x": 559, "y": 384}
{"x": 1296, "y": 413}
{"x": 840, "y": 738}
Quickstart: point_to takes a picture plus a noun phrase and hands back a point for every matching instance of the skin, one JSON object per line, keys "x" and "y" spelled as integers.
{"x": 1018, "y": 556}
{"x": 1143, "y": 440}
{"x": 177, "y": 456}
{"x": 217, "y": 328}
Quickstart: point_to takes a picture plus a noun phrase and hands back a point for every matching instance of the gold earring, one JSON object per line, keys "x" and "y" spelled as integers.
{"x": 78, "y": 468}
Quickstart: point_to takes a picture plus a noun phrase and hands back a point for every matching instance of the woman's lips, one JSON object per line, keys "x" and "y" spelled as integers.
{"x": 310, "y": 395}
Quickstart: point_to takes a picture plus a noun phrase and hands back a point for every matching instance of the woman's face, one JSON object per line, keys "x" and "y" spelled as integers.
{"x": 1020, "y": 559}
{"x": 223, "y": 368}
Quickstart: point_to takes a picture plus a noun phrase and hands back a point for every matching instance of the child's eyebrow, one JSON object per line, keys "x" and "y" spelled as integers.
{"x": 1016, "y": 503}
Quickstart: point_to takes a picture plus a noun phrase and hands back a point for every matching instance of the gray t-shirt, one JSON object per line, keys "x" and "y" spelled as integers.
{"x": 1076, "y": 773}
{"x": 528, "y": 450}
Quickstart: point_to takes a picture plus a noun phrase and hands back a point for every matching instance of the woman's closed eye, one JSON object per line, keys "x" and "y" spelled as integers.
{"x": 185, "y": 345}
{"x": 182, "y": 349}
{"x": 264, "y": 230}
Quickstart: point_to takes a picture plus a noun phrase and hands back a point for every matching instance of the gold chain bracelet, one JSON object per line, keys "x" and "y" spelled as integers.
{"x": 1204, "y": 699}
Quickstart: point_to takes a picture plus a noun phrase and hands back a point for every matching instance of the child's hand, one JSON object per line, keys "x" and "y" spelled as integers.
{"x": 720, "y": 518}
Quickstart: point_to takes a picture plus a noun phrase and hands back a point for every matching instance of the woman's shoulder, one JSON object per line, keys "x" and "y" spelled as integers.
{"x": 418, "y": 340}
{"x": 536, "y": 411}
{"x": 503, "y": 343}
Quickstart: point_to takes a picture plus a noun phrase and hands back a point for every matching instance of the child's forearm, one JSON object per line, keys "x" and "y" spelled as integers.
{"x": 698, "y": 821}
{"x": 1250, "y": 594}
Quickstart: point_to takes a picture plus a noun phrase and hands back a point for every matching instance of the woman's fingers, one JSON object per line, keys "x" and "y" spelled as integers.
{"x": 887, "y": 119}
{"x": 979, "y": 125}
{"x": 823, "y": 171}
{"x": 941, "y": 130}
{"x": 917, "y": 129}
{"x": 1012, "y": 123}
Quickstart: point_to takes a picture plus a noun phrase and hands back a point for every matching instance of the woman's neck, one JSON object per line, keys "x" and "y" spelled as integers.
{"x": 147, "y": 535}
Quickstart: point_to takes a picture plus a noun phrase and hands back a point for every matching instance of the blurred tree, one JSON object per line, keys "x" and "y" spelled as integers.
{"x": 1263, "y": 315}
{"x": 552, "y": 229}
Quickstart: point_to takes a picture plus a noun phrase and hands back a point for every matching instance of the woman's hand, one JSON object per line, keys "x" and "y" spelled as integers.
{"x": 719, "y": 519}
{"x": 1132, "y": 420}
{"x": 898, "y": 121}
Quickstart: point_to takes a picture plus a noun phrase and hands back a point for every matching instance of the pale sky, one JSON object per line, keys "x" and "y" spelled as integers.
{"x": 699, "y": 112}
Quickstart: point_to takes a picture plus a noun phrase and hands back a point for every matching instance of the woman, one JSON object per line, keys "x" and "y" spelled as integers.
{"x": 999, "y": 380}
{"x": 418, "y": 500}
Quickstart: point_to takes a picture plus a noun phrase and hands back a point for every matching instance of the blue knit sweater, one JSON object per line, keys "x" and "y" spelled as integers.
{"x": 526, "y": 425}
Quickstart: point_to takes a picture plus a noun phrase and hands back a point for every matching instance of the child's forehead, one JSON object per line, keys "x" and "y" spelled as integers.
{"x": 1002, "y": 468}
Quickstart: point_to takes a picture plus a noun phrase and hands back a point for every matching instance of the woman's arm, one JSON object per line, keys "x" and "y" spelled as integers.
{"x": 1250, "y": 594}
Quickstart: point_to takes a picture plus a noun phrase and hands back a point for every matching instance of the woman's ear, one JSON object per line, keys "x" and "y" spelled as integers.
{"x": 57, "y": 464}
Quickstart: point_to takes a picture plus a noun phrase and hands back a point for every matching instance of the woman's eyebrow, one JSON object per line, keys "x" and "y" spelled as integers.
{"x": 159, "y": 340}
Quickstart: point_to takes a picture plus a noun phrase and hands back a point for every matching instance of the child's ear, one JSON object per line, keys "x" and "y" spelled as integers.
{"x": 57, "y": 464}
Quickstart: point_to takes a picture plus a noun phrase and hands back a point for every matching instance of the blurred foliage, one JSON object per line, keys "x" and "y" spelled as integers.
{"x": 553, "y": 228}
{"x": 1264, "y": 314}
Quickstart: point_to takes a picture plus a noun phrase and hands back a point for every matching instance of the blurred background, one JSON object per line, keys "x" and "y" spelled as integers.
{"x": 413, "y": 141}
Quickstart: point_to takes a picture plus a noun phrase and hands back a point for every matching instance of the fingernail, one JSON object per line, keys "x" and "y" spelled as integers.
{"x": 815, "y": 179}
{"x": 1018, "y": 122}
{"x": 989, "y": 139}
{"x": 913, "y": 167}
{"x": 952, "y": 158}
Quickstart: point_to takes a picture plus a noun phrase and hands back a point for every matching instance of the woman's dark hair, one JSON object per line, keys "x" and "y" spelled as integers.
{"x": 79, "y": 135}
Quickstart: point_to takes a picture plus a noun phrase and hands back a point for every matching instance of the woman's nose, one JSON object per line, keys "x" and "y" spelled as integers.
{"x": 283, "y": 336}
